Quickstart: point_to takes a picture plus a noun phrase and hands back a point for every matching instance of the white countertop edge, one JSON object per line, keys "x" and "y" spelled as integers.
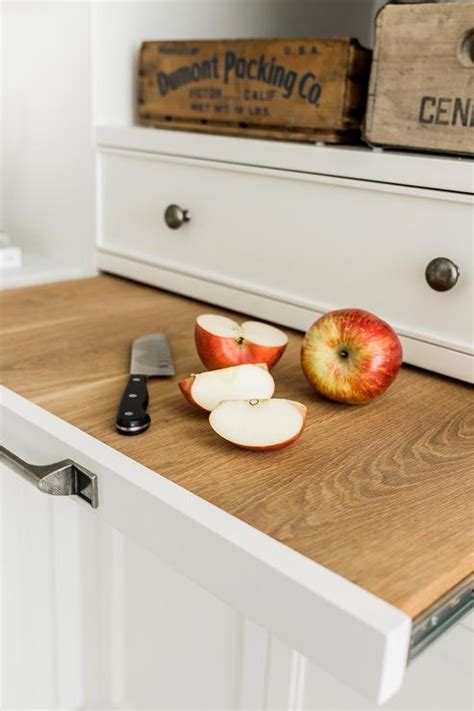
{"x": 435, "y": 171}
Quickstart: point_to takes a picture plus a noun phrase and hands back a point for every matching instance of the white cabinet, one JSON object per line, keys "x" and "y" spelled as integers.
{"x": 290, "y": 243}
{"x": 440, "y": 678}
{"x": 122, "y": 588}
{"x": 287, "y": 238}
{"x": 156, "y": 599}
{"x": 92, "y": 618}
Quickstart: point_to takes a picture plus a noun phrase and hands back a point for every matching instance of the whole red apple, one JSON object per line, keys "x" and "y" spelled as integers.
{"x": 351, "y": 356}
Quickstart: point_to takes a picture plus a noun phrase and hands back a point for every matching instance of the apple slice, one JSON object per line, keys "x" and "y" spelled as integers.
{"x": 222, "y": 342}
{"x": 241, "y": 382}
{"x": 259, "y": 425}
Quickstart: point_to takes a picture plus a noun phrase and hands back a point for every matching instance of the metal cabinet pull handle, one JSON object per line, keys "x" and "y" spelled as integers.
{"x": 442, "y": 274}
{"x": 63, "y": 478}
{"x": 175, "y": 216}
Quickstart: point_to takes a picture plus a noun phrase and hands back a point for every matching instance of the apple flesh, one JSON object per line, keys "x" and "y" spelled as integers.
{"x": 351, "y": 356}
{"x": 259, "y": 425}
{"x": 240, "y": 382}
{"x": 222, "y": 342}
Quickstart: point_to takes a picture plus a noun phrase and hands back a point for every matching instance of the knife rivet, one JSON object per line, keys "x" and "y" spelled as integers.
{"x": 132, "y": 395}
{"x": 136, "y": 380}
{"x": 129, "y": 413}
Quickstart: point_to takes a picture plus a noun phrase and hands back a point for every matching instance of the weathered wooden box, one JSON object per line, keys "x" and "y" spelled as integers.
{"x": 304, "y": 90}
{"x": 421, "y": 91}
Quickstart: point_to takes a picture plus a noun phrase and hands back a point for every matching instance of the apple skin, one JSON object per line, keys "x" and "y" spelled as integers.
{"x": 222, "y": 352}
{"x": 351, "y": 356}
{"x": 185, "y": 386}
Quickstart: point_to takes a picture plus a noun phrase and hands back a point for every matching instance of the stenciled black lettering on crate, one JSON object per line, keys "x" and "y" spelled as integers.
{"x": 421, "y": 92}
{"x": 297, "y": 89}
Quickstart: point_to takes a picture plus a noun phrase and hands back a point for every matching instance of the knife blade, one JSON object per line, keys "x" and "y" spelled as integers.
{"x": 150, "y": 358}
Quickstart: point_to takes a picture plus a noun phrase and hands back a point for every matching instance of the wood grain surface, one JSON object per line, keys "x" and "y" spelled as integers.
{"x": 299, "y": 89}
{"x": 381, "y": 494}
{"x": 421, "y": 84}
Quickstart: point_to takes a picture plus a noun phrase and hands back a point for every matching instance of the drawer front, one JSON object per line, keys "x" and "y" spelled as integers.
{"x": 308, "y": 241}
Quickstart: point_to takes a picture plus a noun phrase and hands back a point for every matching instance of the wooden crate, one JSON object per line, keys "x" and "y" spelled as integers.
{"x": 421, "y": 91}
{"x": 303, "y": 90}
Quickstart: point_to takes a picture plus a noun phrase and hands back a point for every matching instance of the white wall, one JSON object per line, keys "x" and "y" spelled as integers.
{"x": 68, "y": 66}
{"x": 1, "y": 118}
{"x": 120, "y": 27}
{"x": 48, "y": 155}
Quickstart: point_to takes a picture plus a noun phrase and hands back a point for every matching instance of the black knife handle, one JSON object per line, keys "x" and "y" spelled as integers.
{"x": 132, "y": 417}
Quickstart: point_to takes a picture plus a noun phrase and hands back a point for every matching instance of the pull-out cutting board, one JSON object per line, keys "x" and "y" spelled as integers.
{"x": 377, "y": 494}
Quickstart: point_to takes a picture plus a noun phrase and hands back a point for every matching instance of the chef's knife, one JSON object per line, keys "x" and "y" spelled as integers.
{"x": 151, "y": 357}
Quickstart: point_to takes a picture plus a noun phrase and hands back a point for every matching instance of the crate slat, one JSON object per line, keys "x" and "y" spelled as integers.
{"x": 421, "y": 92}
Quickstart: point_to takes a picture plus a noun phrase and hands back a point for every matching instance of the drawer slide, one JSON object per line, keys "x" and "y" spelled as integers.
{"x": 442, "y": 615}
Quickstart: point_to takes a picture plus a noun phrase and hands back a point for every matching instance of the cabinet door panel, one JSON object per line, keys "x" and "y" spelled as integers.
{"x": 166, "y": 643}
{"x": 28, "y": 629}
{"x": 90, "y": 618}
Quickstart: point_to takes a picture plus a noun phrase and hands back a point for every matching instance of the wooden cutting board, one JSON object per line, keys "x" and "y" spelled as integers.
{"x": 381, "y": 494}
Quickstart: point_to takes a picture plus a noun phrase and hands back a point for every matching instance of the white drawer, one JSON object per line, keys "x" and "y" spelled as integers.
{"x": 288, "y": 246}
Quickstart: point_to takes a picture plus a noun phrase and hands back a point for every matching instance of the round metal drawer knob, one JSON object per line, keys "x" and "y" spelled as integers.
{"x": 442, "y": 274}
{"x": 175, "y": 216}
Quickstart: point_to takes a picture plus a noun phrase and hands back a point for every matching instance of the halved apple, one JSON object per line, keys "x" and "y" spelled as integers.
{"x": 259, "y": 425}
{"x": 222, "y": 342}
{"x": 240, "y": 382}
